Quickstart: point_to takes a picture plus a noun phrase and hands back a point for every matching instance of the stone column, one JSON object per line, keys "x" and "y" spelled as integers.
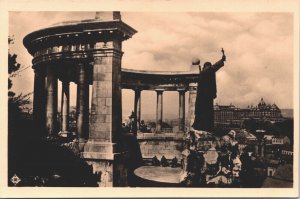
{"x": 262, "y": 150}
{"x": 83, "y": 103}
{"x": 137, "y": 106}
{"x": 103, "y": 149}
{"x": 65, "y": 109}
{"x": 256, "y": 149}
{"x": 192, "y": 101}
{"x": 159, "y": 109}
{"x": 77, "y": 101}
{"x": 181, "y": 109}
{"x": 51, "y": 101}
{"x": 39, "y": 102}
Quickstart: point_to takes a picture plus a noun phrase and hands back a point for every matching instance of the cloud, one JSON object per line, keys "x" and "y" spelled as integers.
{"x": 259, "y": 49}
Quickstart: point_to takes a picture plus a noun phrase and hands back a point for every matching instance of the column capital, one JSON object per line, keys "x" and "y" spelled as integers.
{"x": 193, "y": 88}
{"x": 192, "y": 84}
{"x": 40, "y": 70}
{"x": 137, "y": 89}
{"x": 181, "y": 90}
{"x": 159, "y": 90}
{"x": 66, "y": 82}
{"x": 84, "y": 62}
{"x": 64, "y": 77}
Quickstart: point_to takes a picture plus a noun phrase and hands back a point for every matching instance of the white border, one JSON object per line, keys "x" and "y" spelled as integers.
{"x": 143, "y": 6}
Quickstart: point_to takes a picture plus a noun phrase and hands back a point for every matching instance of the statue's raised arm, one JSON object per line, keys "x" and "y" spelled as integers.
{"x": 223, "y": 57}
{"x": 220, "y": 63}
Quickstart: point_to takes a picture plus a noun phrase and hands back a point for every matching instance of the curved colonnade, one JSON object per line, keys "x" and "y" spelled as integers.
{"x": 161, "y": 81}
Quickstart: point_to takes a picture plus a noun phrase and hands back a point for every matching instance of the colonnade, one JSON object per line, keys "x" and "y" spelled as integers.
{"x": 46, "y": 100}
{"x": 159, "y": 108}
{"x": 46, "y": 96}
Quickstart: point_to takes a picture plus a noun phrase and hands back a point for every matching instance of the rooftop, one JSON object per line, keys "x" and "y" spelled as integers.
{"x": 262, "y": 105}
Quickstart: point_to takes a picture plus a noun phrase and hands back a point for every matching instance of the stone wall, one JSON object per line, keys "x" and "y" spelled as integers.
{"x": 111, "y": 173}
{"x": 158, "y": 144}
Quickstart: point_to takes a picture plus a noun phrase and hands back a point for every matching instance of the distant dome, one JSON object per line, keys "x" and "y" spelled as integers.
{"x": 261, "y": 104}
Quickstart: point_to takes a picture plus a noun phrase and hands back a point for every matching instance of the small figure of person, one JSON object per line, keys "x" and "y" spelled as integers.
{"x": 164, "y": 161}
{"x": 143, "y": 127}
{"x": 174, "y": 162}
{"x": 133, "y": 123}
{"x": 125, "y": 128}
{"x": 155, "y": 161}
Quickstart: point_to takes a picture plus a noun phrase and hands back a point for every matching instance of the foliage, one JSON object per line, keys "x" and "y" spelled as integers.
{"x": 283, "y": 128}
{"x": 46, "y": 162}
{"x": 35, "y": 160}
{"x": 15, "y": 102}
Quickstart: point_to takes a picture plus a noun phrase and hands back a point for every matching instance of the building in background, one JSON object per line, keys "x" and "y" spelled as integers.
{"x": 233, "y": 116}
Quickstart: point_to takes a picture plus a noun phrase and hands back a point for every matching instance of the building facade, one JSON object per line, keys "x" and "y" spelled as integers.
{"x": 233, "y": 116}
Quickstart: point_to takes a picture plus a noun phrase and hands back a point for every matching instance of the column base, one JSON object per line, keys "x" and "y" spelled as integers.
{"x": 112, "y": 173}
{"x": 80, "y": 143}
{"x": 99, "y": 150}
{"x": 64, "y": 134}
{"x": 106, "y": 162}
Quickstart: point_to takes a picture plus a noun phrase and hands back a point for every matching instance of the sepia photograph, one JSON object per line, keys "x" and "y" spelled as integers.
{"x": 131, "y": 99}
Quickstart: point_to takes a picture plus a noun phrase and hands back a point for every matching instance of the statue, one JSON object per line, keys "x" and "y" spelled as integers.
{"x": 133, "y": 123}
{"x": 206, "y": 93}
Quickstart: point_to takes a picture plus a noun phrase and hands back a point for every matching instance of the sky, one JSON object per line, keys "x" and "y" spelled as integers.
{"x": 258, "y": 46}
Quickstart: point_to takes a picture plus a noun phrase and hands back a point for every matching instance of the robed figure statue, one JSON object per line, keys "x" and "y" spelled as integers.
{"x": 206, "y": 93}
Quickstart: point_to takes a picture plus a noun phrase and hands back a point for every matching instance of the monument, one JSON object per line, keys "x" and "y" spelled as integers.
{"x": 87, "y": 52}
{"x": 206, "y": 93}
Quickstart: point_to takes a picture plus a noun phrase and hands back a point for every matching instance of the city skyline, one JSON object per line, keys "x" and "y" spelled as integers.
{"x": 257, "y": 46}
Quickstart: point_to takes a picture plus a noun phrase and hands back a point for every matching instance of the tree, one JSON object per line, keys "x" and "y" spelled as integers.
{"x": 15, "y": 103}
{"x": 35, "y": 160}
